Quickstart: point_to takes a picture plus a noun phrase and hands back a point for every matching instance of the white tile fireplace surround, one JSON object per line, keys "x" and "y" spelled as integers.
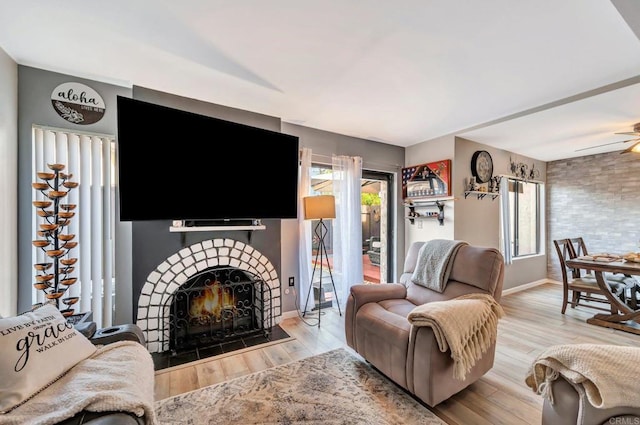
{"x": 172, "y": 273}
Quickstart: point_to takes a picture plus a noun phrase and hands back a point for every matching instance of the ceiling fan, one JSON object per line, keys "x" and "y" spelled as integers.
{"x": 633, "y": 148}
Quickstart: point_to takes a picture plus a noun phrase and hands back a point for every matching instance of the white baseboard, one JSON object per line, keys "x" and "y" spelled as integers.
{"x": 294, "y": 313}
{"x": 529, "y": 285}
{"x": 289, "y": 314}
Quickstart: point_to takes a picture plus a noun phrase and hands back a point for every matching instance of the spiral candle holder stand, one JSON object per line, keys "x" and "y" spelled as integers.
{"x": 54, "y": 277}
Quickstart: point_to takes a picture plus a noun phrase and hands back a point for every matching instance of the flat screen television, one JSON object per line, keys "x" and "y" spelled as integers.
{"x": 179, "y": 165}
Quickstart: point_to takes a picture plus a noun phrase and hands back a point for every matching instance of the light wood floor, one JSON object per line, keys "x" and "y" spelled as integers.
{"x": 533, "y": 322}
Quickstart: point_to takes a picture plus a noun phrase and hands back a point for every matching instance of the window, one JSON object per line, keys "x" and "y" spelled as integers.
{"x": 525, "y": 217}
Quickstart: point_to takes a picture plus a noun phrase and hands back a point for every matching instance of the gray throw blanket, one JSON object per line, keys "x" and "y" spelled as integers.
{"x": 435, "y": 260}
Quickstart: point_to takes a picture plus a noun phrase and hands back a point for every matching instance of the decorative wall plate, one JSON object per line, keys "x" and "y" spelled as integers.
{"x": 482, "y": 166}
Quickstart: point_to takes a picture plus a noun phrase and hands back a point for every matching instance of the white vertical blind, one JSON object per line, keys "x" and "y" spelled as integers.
{"x": 90, "y": 159}
{"x": 107, "y": 237}
{"x": 38, "y": 160}
{"x": 73, "y": 197}
{"x": 96, "y": 229}
{"x": 84, "y": 221}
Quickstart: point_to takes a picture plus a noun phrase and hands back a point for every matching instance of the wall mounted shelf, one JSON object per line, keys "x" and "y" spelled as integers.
{"x": 214, "y": 228}
{"x": 427, "y": 201}
{"x": 414, "y": 215}
{"x": 481, "y": 195}
{"x": 183, "y": 227}
{"x": 513, "y": 177}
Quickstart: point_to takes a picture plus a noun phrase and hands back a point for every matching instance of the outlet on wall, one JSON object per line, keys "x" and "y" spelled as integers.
{"x": 291, "y": 283}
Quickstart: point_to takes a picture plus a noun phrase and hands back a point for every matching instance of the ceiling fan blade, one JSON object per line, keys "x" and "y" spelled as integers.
{"x": 606, "y": 144}
{"x": 630, "y": 133}
{"x": 633, "y": 148}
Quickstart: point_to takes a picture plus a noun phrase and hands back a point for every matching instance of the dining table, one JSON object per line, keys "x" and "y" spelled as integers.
{"x": 625, "y": 311}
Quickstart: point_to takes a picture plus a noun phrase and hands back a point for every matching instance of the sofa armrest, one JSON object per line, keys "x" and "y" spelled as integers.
{"x": 104, "y": 418}
{"x": 128, "y": 332}
{"x": 372, "y": 293}
{"x": 362, "y": 294}
{"x": 566, "y": 408}
{"x": 87, "y": 329}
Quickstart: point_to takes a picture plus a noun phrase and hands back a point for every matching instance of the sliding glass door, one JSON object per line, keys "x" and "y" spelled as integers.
{"x": 375, "y": 215}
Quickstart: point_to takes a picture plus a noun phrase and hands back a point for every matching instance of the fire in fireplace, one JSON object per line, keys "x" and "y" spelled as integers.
{"x": 217, "y": 305}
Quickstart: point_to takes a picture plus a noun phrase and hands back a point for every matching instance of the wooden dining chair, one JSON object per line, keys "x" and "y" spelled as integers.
{"x": 579, "y": 249}
{"x": 583, "y": 289}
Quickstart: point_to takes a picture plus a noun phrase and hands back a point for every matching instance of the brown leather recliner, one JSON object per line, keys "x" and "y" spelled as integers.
{"x": 377, "y": 327}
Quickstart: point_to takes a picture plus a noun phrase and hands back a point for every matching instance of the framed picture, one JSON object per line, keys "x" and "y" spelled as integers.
{"x": 430, "y": 180}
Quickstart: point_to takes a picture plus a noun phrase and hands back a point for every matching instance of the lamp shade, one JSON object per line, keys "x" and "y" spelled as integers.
{"x": 322, "y": 206}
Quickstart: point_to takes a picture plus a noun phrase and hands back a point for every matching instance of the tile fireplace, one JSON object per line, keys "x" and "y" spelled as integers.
{"x": 218, "y": 305}
{"x": 208, "y": 291}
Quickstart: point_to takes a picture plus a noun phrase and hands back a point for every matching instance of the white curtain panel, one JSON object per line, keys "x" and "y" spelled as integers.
{"x": 304, "y": 232}
{"x": 90, "y": 159}
{"x": 505, "y": 220}
{"x": 347, "y": 226}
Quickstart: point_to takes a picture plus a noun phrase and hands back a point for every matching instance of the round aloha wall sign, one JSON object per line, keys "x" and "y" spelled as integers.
{"x": 77, "y": 103}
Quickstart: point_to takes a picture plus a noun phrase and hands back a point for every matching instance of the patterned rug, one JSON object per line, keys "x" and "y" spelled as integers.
{"x": 330, "y": 388}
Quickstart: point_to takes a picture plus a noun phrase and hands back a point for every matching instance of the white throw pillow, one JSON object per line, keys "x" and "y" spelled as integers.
{"x": 36, "y": 349}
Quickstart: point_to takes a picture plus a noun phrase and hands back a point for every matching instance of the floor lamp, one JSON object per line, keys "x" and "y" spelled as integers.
{"x": 320, "y": 208}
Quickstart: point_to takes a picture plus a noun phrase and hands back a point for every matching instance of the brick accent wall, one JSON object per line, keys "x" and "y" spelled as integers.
{"x": 596, "y": 197}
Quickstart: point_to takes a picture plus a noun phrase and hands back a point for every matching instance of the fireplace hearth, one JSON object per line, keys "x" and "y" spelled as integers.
{"x": 168, "y": 359}
{"x": 217, "y": 305}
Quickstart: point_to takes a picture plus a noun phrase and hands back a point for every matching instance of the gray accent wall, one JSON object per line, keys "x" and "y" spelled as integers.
{"x": 205, "y": 108}
{"x": 152, "y": 242}
{"x": 596, "y": 197}
{"x": 34, "y": 108}
{"x": 8, "y": 185}
{"x": 375, "y": 156}
{"x": 140, "y": 247}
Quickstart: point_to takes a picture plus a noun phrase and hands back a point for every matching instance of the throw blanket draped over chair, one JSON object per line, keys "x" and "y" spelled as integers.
{"x": 607, "y": 375}
{"x": 435, "y": 260}
{"x": 114, "y": 378}
{"x": 468, "y": 325}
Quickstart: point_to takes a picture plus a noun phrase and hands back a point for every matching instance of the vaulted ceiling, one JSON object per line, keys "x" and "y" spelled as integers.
{"x": 542, "y": 78}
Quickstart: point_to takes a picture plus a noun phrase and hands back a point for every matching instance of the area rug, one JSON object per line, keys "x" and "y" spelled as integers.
{"x": 331, "y": 388}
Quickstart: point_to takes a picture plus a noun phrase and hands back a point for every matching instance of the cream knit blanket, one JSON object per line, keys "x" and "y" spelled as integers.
{"x": 117, "y": 377}
{"x": 607, "y": 375}
{"x": 467, "y": 325}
